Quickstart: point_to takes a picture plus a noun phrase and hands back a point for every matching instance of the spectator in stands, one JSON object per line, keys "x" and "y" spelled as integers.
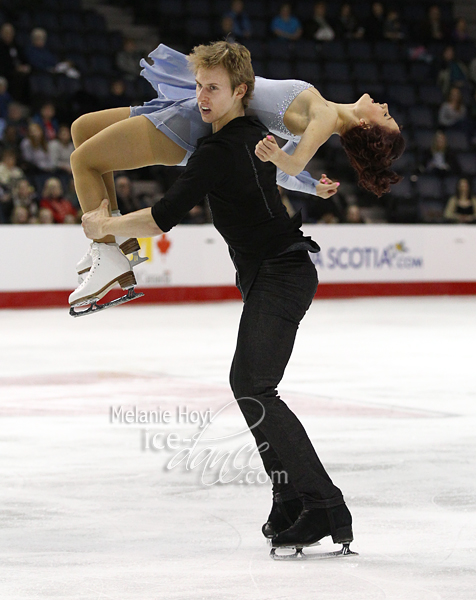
{"x": 240, "y": 22}
{"x": 37, "y": 162}
{"x": 45, "y": 216}
{"x": 5, "y": 98}
{"x": 20, "y": 216}
{"x": 117, "y": 97}
{"x": 13, "y": 63}
{"x": 127, "y": 59}
{"x": 461, "y": 208}
{"x": 453, "y": 73}
{"x": 227, "y": 29}
{"x": 38, "y": 55}
{"x": 353, "y": 215}
{"x": 53, "y": 198}
{"x": 375, "y": 23}
{"x": 127, "y": 201}
{"x": 439, "y": 158}
{"x": 10, "y": 173}
{"x": 47, "y": 120}
{"x": 452, "y": 112}
{"x": 347, "y": 26}
{"x": 285, "y": 25}
{"x": 460, "y": 31}
{"x": 393, "y": 28}
{"x": 433, "y": 28}
{"x": 318, "y": 28}
{"x": 61, "y": 149}
{"x": 23, "y": 194}
{"x": 17, "y": 119}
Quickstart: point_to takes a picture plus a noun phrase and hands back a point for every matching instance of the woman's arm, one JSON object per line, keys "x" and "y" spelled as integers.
{"x": 316, "y": 134}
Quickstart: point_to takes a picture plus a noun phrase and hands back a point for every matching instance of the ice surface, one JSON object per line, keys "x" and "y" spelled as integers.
{"x": 385, "y": 387}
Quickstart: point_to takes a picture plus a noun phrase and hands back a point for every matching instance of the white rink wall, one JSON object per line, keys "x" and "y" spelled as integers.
{"x": 42, "y": 257}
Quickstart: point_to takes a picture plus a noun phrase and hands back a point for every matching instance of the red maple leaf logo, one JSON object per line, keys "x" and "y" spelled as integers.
{"x": 164, "y": 244}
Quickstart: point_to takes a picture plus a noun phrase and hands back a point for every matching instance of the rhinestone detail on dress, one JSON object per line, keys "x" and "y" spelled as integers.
{"x": 277, "y": 122}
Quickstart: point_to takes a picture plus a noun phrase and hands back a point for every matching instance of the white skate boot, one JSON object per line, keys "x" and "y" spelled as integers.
{"x": 109, "y": 266}
{"x": 127, "y": 245}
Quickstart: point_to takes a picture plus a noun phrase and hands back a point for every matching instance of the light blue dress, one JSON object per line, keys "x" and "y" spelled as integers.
{"x": 175, "y": 111}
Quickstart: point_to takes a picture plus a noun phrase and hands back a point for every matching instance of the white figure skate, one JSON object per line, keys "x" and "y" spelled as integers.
{"x": 127, "y": 245}
{"x": 109, "y": 266}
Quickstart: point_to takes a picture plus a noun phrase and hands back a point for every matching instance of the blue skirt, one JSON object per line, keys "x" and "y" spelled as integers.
{"x": 175, "y": 111}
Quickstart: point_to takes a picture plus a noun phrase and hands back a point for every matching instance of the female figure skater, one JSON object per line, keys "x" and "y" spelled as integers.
{"x": 277, "y": 280}
{"x": 294, "y": 110}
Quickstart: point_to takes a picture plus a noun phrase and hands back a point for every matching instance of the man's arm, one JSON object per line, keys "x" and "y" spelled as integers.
{"x": 98, "y": 223}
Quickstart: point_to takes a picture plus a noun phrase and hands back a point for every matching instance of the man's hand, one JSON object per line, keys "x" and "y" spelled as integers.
{"x": 326, "y": 187}
{"x": 268, "y": 149}
{"x": 94, "y": 222}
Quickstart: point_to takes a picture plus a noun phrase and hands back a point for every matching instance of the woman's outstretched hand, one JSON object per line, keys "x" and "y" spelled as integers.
{"x": 326, "y": 187}
{"x": 94, "y": 221}
{"x": 268, "y": 149}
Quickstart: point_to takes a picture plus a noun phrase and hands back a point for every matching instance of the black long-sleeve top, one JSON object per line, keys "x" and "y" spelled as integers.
{"x": 243, "y": 197}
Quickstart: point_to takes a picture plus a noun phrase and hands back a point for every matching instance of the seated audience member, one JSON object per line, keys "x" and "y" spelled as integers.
{"x": 375, "y": 23}
{"x": 461, "y": 208}
{"x": 35, "y": 154}
{"x": 20, "y": 216}
{"x": 127, "y": 59}
{"x": 227, "y": 29}
{"x": 452, "y": 112}
{"x": 9, "y": 172}
{"x": 433, "y": 28}
{"x": 347, "y": 26}
{"x": 60, "y": 151}
{"x": 117, "y": 97}
{"x": 393, "y": 28}
{"x": 38, "y": 55}
{"x": 23, "y": 194}
{"x": 5, "y": 98}
{"x": 318, "y": 28}
{"x": 439, "y": 158}
{"x": 45, "y": 216}
{"x": 353, "y": 215}
{"x": 127, "y": 201}
{"x": 460, "y": 31}
{"x": 53, "y": 198}
{"x": 13, "y": 63}
{"x": 16, "y": 119}
{"x": 285, "y": 25}
{"x": 46, "y": 118}
{"x": 238, "y": 19}
{"x": 453, "y": 73}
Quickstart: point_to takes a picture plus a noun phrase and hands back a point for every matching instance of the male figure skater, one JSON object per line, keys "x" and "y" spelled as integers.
{"x": 275, "y": 276}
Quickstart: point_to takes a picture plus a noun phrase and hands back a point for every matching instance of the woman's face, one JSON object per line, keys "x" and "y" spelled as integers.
{"x": 373, "y": 113}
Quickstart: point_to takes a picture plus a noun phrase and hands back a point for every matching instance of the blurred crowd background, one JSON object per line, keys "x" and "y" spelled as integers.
{"x": 62, "y": 58}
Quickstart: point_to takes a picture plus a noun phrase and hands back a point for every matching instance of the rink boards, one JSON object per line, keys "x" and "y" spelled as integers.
{"x": 191, "y": 263}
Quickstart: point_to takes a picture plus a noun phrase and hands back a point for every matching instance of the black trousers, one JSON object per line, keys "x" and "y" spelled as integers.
{"x": 279, "y": 298}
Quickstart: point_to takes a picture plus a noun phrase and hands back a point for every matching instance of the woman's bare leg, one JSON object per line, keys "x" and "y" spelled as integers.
{"x": 128, "y": 144}
{"x": 86, "y": 126}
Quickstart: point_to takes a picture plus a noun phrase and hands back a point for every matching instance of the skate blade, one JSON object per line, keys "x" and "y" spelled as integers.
{"x": 299, "y": 554}
{"x": 93, "y": 307}
{"x": 136, "y": 259}
{"x": 269, "y": 541}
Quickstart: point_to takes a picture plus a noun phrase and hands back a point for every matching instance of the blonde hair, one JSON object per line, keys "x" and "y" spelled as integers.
{"x": 234, "y": 57}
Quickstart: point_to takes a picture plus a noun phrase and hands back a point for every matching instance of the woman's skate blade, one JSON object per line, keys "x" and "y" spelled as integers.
{"x": 94, "y": 307}
{"x": 299, "y": 555}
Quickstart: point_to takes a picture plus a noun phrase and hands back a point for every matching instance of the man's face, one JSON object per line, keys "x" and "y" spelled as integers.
{"x": 214, "y": 94}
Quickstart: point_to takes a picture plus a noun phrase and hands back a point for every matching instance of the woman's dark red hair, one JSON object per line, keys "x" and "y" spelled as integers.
{"x": 371, "y": 151}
